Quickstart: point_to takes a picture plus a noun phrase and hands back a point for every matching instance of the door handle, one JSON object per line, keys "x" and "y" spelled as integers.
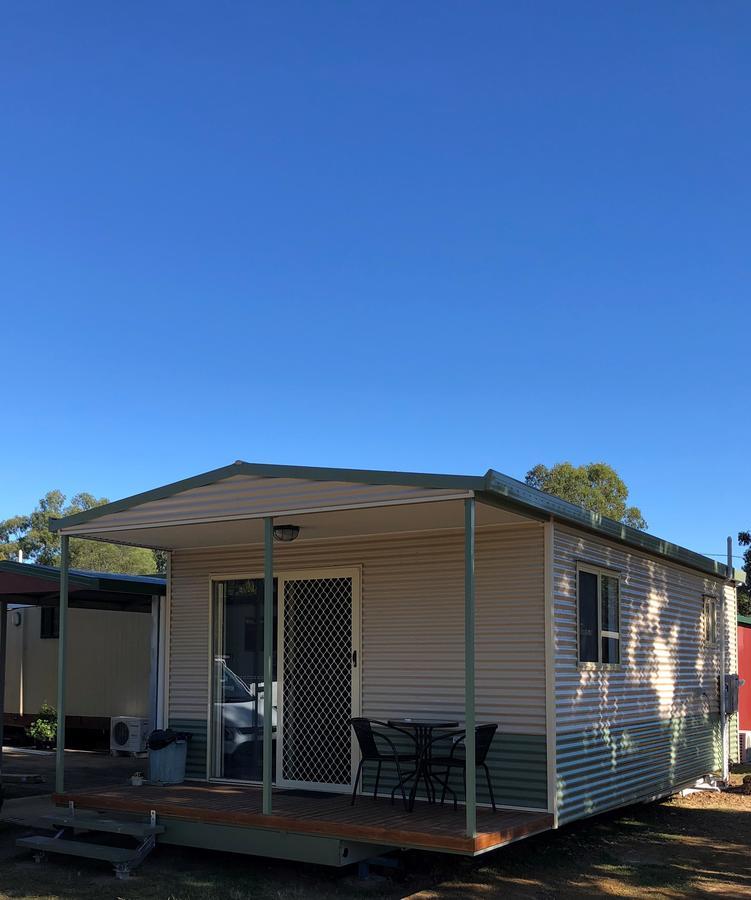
{"x": 354, "y": 659}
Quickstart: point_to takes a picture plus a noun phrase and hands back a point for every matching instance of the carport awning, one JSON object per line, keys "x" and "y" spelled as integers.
{"x": 28, "y": 584}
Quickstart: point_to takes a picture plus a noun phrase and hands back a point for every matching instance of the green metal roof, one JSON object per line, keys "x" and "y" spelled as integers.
{"x": 109, "y": 582}
{"x": 493, "y": 487}
{"x": 563, "y": 511}
{"x": 28, "y": 584}
{"x": 744, "y": 620}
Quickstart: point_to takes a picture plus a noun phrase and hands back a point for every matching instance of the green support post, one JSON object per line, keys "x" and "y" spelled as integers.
{"x": 61, "y": 664}
{"x": 469, "y": 662}
{"x": 268, "y": 660}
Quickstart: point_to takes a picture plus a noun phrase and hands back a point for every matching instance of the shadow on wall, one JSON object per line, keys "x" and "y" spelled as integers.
{"x": 654, "y": 722}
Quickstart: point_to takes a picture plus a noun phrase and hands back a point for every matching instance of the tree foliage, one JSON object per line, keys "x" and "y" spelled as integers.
{"x": 31, "y": 534}
{"x": 744, "y": 591}
{"x": 595, "y": 486}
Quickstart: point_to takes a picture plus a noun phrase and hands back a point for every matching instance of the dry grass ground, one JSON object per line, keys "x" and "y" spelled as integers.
{"x": 683, "y": 847}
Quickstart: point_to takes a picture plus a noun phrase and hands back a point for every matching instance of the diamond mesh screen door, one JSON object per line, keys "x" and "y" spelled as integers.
{"x": 319, "y": 684}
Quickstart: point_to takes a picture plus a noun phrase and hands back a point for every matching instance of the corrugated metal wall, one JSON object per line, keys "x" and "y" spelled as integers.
{"x": 412, "y": 635}
{"x": 628, "y": 733}
{"x": 108, "y": 663}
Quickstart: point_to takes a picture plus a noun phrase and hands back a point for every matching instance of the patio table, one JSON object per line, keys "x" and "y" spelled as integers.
{"x": 423, "y": 730}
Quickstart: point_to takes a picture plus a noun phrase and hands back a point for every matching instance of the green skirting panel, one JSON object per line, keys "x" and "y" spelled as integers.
{"x": 517, "y": 764}
{"x": 604, "y": 767}
{"x": 306, "y": 848}
{"x": 196, "y": 728}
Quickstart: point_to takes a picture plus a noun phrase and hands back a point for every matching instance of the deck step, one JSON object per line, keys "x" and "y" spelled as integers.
{"x": 14, "y": 778}
{"x": 44, "y": 844}
{"x": 93, "y": 822}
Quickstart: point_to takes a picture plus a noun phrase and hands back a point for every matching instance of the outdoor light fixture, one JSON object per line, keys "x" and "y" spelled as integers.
{"x": 286, "y": 533}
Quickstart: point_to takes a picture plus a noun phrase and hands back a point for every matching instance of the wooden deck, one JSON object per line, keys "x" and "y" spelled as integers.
{"x": 427, "y": 827}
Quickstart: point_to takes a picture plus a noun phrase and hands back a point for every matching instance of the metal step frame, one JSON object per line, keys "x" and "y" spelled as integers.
{"x": 64, "y": 842}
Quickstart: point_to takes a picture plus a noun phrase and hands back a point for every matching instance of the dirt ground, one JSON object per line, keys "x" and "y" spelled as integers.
{"x": 698, "y": 846}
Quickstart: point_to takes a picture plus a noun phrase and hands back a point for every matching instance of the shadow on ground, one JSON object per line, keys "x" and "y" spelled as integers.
{"x": 83, "y": 769}
{"x": 697, "y": 846}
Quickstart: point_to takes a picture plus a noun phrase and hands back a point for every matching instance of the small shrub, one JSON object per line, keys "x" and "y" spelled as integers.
{"x": 44, "y": 728}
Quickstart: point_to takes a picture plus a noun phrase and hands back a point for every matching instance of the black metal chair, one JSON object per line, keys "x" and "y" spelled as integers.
{"x": 368, "y": 739}
{"x": 484, "y": 735}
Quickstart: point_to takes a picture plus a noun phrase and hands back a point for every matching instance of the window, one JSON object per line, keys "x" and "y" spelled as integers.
{"x": 49, "y": 624}
{"x": 598, "y": 601}
{"x": 710, "y": 620}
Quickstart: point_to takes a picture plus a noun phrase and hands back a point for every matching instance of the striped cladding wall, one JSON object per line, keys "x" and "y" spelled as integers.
{"x": 412, "y": 635}
{"x": 628, "y": 733}
{"x": 195, "y": 766}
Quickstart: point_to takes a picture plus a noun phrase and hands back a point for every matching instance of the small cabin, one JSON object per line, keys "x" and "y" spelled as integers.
{"x": 301, "y": 598}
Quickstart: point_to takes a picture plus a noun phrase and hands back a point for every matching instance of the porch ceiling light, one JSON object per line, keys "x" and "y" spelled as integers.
{"x": 286, "y": 533}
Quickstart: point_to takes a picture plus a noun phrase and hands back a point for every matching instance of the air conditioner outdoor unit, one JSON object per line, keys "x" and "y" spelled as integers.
{"x": 745, "y": 748}
{"x": 128, "y": 734}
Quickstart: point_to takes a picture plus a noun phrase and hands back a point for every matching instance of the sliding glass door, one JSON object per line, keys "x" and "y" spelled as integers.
{"x": 237, "y": 687}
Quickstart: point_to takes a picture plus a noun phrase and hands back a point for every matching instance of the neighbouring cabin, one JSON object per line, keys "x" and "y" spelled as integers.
{"x": 112, "y": 666}
{"x": 744, "y": 692}
{"x": 117, "y": 652}
{"x": 596, "y": 649}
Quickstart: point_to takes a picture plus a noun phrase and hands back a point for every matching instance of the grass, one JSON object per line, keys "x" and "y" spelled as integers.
{"x": 682, "y": 847}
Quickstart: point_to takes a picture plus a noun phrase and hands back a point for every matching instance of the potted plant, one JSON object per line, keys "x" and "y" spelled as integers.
{"x": 43, "y": 730}
{"x": 136, "y": 779}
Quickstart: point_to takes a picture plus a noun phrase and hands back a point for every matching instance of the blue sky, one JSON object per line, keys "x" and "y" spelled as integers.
{"x": 431, "y": 236}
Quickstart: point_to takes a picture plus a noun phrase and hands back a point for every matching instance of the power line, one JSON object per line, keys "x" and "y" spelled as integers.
{"x": 724, "y": 555}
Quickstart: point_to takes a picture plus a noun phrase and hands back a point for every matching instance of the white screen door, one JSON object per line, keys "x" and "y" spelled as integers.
{"x": 319, "y": 684}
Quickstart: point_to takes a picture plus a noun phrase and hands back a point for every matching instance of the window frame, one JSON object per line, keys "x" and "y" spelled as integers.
{"x": 712, "y": 640}
{"x": 599, "y": 572}
{"x": 54, "y": 631}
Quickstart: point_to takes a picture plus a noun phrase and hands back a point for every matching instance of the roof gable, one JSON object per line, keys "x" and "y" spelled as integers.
{"x": 250, "y": 490}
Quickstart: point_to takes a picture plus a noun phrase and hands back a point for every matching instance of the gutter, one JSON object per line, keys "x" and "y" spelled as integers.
{"x": 517, "y": 494}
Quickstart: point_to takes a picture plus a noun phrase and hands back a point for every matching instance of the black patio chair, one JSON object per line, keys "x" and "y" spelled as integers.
{"x": 484, "y": 735}
{"x": 369, "y": 739}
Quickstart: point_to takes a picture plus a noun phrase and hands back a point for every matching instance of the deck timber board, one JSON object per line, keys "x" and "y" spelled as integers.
{"x": 427, "y": 827}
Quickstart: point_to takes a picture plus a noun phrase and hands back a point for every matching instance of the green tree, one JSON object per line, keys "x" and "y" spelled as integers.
{"x": 595, "y": 486}
{"x": 744, "y": 590}
{"x": 31, "y": 534}
{"x": 160, "y": 560}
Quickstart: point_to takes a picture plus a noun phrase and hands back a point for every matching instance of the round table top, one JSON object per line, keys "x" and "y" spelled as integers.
{"x": 422, "y": 723}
